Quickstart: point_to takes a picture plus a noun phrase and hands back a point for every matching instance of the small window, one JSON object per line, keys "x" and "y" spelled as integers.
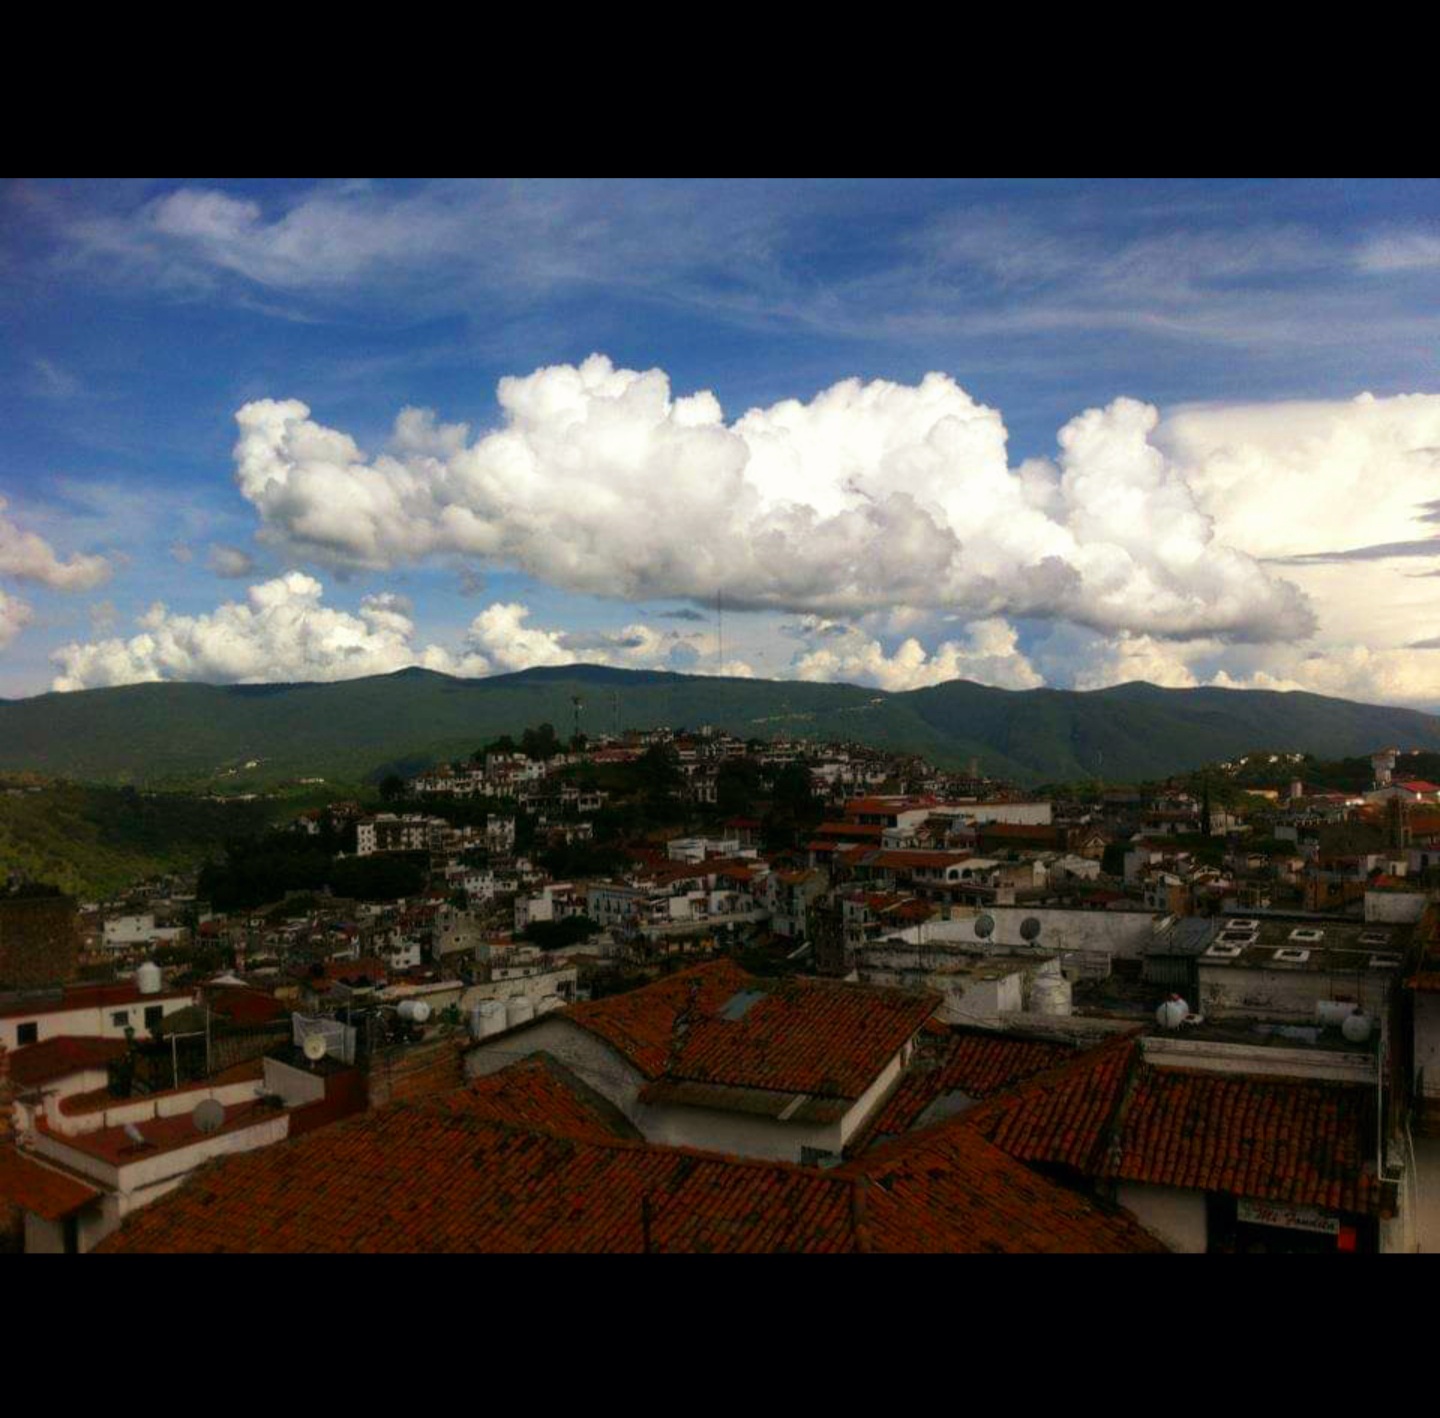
{"x": 121, "y": 1019}
{"x": 27, "y": 1034}
{"x": 154, "y": 1013}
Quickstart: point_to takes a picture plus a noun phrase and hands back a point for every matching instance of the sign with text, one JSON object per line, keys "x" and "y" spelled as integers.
{"x": 1294, "y": 1218}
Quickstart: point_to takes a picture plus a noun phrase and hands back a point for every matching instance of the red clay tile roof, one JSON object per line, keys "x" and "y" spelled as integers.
{"x": 1299, "y": 1142}
{"x": 42, "y": 1063}
{"x": 1108, "y": 1114}
{"x": 422, "y": 1177}
{"x": 34, "y": 1186}
{"x": 799, "y": 1035}
{"x": 246, "y": 1006}
{"x": 1062, "y": 1115}
{"x": 641, "y": 1023}
{"x": 972, "y": 1062}
{"x": 952, "y": 1192}
{"x": 541, "y": 1092}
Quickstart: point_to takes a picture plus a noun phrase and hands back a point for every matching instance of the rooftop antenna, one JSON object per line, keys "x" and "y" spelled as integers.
{"x": 579, "y": 705}
{"x": 315, "y": 1047}
{"x": 208, "y": 1116}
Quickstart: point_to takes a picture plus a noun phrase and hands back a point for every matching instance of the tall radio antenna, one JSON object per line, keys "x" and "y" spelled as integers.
{"x": 720, "y": 630}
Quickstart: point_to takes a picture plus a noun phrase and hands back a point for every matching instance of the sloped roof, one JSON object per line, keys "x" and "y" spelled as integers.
{"x": 541, "y": 1092}
{"x": 1061, "y": 1115}
{"x": 436, "y": 1177}
{"x": 41, "y": 1063}
{"x": 1109, "y": 1114}
{"x": 798, "y": 1035}
{"x": 35, "y": 1187}
{"x": 1275, "y": 1140}
{"x": 949, "y": 1191}
{"x": 975, "y": 1063}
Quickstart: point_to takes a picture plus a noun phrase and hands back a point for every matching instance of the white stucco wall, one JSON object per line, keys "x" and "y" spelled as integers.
{"x": 1175, "y": 1215}
{"x": 91, "y": 1023}
{"x": 1121, "y": 933}
{"x": 1228, "y": 991}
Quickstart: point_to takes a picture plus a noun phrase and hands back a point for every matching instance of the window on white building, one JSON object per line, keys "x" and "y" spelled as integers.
{"x": 27, "y": 1034}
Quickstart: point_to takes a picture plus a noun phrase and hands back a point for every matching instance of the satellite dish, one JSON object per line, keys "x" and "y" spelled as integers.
{"x": 135, "y": 1135}
{"x": 1029, "y": 928}
{"x": 209, "y": 1116}
{"x": 985, "y": 926}
{"x": 315, "y": 1047}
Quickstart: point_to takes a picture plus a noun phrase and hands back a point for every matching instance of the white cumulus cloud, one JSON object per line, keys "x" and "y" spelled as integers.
{"x": 283, "y": 632}
{"x": 14, "y": 617}
{"x": 29, "y": 557}
{"x": 988, "y": 653}
{"x": 869, "y": 496}
{"x": 280, "y": 632}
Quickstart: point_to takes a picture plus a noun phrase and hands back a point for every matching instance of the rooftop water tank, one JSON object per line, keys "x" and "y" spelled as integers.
{"x": 148, "y": 978}
{"x": 517, "y": 1011}
{"x": 1050, "y": 994}
{"x": 1356, "y": 1028}
{"x": 487, "y": 1018}
{"x": 1172, "y": 1014}
{"x": 414, "y": 1011}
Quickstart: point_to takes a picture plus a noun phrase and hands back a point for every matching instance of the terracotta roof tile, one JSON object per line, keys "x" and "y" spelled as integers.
{"x": 800, "y": 1035}
{"x": 1304, "y": 1142}
{"x": 970, "y": 1062}
{"x": 37, "y": 1064}
{"x": 34, "y": 1186}
{"x": 443, "y": 1177}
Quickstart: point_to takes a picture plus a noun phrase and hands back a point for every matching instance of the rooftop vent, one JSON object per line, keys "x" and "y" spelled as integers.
{"x": 1292, "y": 956}
{"x": 1224, "y": 952}
{"x": 1242, "y": 925}
{"x": 1386, "y": 960}
{"x": 1374, "y": 937}
{"x": 1307, "y": 935}
{"x": 737, "y": 1005}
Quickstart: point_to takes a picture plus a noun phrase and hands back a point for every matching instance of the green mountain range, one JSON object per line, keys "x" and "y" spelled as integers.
{"x": 189, "y": 735}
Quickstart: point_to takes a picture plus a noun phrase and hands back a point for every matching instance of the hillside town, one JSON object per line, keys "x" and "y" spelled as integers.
{"x": 673, "y": 990}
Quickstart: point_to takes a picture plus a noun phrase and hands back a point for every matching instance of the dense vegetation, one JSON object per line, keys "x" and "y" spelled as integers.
{"x": 261, "y": 869}
{"x": 397, "y": 724}
{"x": 92, "y": 841}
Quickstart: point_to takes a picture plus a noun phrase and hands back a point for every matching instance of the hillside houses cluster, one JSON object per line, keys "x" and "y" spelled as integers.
{"x": 932, "y": 1012}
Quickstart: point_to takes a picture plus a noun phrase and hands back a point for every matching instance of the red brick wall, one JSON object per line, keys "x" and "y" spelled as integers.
{"x": 417, "y": 1070}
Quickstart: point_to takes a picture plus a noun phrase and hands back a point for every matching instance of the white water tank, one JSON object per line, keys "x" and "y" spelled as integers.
{"x": 1173, "y": 1013}
{"x": 148, "y": 978}
{"x": 414, "y": 1011}
{"x": 517, "y": 1011}
{"x": 1050, "y": 994}
{"x": 1356, "y": 1028}
{"x": 487, "y": 1018}
{"x": 547, "y": 1003}
{"x": 1334, "y": 1011}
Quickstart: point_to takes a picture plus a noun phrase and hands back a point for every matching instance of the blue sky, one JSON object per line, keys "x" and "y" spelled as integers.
{"x": 140, "y": 318}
